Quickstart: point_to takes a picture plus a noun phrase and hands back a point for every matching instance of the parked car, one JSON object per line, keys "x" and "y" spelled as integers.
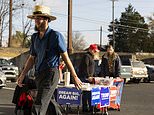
{"x": 139, "y": 71}
{"x": 150, "y": 69}
{"x": 11, "y": 71}
{"x": 126, "y": 71}
{"x": 2, "y": 79}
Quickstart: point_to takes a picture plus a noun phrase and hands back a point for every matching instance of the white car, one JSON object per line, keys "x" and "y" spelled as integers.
{"x": 10, "y": 70}
{"x": 2, "y": 79}
{"x": 126, "y": 70}
{"x": 139, "y": 71}
{"x": 134, "y": 70}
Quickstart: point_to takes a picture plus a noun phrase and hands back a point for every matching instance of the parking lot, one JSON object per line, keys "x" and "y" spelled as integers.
{"x": 136, "y": 99}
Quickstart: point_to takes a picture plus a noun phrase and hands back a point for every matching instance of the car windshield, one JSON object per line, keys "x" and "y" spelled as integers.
{"x": 138, "y": 64}
{"x": 125, "y": 62}
{"x": 4, "y": 62}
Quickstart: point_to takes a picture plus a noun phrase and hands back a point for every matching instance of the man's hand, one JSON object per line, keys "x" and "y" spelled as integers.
{"x": 78, "y": 83}
{"x": 20, "y": 80}
{"x": 91, "y": 79}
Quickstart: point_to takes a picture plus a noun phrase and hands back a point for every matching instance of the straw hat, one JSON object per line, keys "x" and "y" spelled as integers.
{"x": 41, "y": 11}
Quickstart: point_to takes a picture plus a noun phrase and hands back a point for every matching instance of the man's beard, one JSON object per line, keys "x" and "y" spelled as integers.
{"x": 39, "y": 28}
{"x": 35, "y": 28}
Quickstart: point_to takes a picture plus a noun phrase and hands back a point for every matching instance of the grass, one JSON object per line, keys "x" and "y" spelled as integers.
{"x": 12, "y": 52}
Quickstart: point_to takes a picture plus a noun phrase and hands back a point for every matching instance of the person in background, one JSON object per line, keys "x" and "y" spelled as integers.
{"x": 111, "y": 64}
{"x": 61, "y": 67}
{"x": 86, "y": 72}
{"x": 97, "y": 60}
{"x": 46, "y": 48}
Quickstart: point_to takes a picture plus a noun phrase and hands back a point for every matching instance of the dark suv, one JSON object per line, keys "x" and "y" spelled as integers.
{"x": 150, "y": 69}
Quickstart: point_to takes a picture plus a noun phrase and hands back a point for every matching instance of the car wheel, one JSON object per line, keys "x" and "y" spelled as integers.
{"x": 136, "y": 80}
{"x": 146, "y": 80}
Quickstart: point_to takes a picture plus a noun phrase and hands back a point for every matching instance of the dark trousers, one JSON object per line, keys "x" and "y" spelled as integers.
{"x": 26, "y": 111}
{"x": 45, "y": 103}
{"x": 86, "y": 101}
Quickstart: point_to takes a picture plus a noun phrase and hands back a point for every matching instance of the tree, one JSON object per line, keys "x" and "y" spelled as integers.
{"x": 26, "y": 42}
{"x": 78, "y": 42}
{"x": 4, "y": 14}
{"x": 18, "y": 40}
{"x": 4, "y": 8}
{"x": 131, "y": 32}
{"x": 151, "y": 27}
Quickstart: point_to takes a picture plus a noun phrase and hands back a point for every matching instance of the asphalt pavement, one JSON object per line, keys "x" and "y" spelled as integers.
{"x": 137, "y": 99}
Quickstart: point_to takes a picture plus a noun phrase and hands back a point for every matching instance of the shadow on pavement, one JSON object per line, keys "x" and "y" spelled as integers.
{"x": 7, "y": 109}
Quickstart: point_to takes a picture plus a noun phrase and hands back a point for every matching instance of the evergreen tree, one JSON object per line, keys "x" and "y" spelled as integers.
{"x": 151, "y": 27}
{"x": 131, "y": 32}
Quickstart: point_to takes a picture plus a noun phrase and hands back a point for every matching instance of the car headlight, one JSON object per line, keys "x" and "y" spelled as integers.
{"x": 16, "y": 70}
{"x": 2, "y": 75}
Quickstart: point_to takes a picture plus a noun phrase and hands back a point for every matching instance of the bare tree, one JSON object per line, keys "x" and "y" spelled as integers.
{"x": 151, "y": 22}
{"x": 151, "y": 27}
{"x": 4, "y": 10}
{"x": 4, "y": 14}
{"x": 78, "y": 42}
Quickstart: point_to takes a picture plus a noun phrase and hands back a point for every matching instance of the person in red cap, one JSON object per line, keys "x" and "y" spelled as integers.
{"x": 94, "y": 48}
{"x": 86, "y": 71}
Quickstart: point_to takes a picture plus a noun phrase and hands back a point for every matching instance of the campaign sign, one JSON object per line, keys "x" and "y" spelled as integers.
{"x": 68, "y": 96}
{"x": 116, "y": 93}
{"x": 105, "y": 96}
{"x": 95, "y": 96}
{"x": 119, "y": 92}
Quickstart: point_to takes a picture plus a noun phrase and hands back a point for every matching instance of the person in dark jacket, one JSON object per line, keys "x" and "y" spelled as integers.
{"x": 111, "y": 64}
{"x": 86, "y": 72}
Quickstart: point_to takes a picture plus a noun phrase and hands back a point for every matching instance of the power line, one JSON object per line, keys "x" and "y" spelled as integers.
{"x": 95, "y": 30}
{"x": 132, "y": 27}
{"x": 83, "y": 19}
{"x": 100, "y": 22}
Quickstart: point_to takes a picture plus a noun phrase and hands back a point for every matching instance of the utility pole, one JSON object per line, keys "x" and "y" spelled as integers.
{"x": 69, "y": 42}
{"x": 23, "y": 24}
{"x": 10, "y": 23}
{"x": 101, "y": 36}
{"x": 113, "y": 23}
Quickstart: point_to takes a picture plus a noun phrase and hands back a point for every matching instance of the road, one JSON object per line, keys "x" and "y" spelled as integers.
{"x": 137, "y": 99}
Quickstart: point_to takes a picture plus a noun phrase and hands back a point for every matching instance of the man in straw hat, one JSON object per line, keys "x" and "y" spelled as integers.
{"x": 45, "y": 51}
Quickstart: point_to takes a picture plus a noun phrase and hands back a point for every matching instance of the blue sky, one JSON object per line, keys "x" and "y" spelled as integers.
{"x": 89, "y": 15}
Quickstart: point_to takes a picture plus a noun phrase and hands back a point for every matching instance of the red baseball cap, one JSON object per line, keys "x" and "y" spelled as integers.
{"x": 94, "y": 47}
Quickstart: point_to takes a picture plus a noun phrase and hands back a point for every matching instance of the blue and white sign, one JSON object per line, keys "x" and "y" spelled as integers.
{"x": 119, "y": 92}
{"x": 68, "y": 96}
{"x": 105, "y": 96}
{"x": 95, "y": 96}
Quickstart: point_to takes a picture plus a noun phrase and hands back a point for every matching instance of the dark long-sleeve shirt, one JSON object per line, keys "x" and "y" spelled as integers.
{"x": 86, "y": 68}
